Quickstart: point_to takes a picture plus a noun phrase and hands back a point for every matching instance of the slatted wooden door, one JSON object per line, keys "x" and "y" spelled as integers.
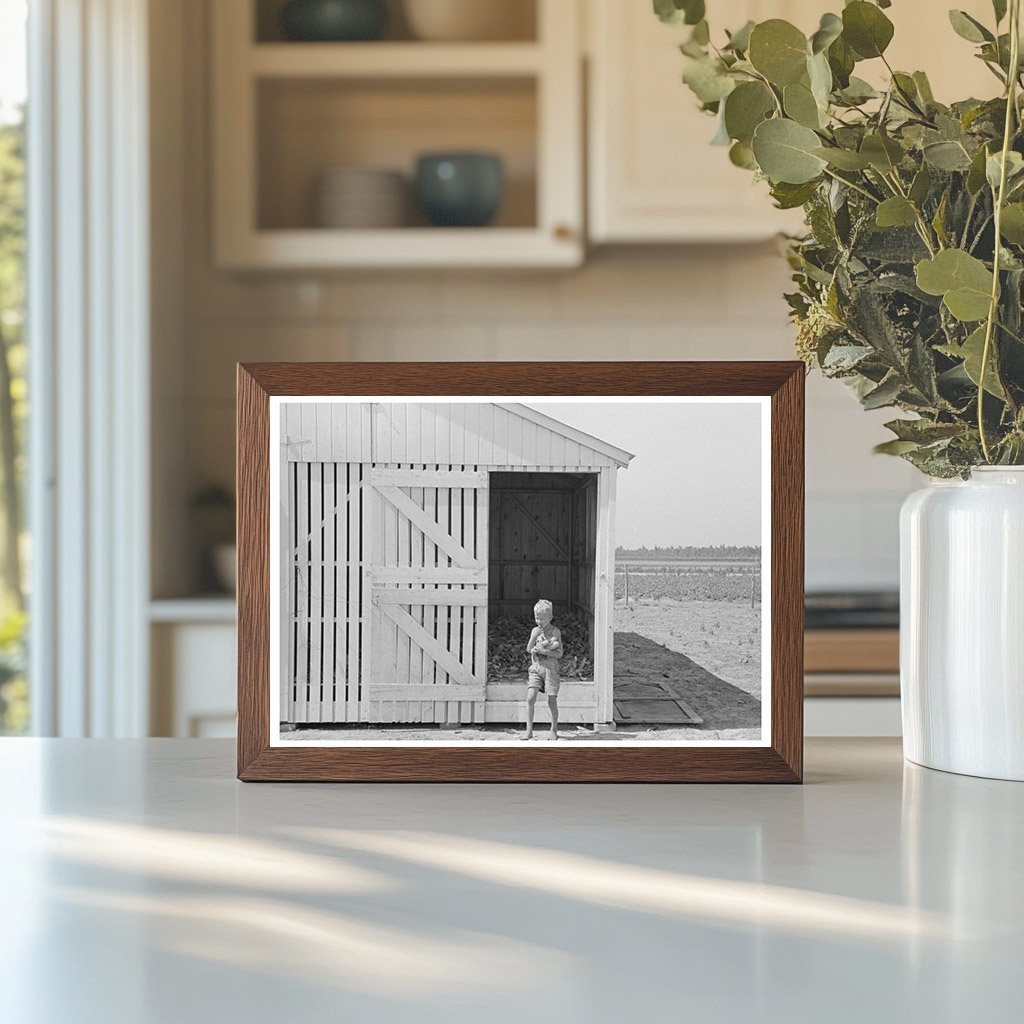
{"x": 427, "y": 581}
{"x": 327, "y": 643}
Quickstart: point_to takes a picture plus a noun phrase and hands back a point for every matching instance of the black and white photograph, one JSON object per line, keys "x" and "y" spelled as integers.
{"x": 520, "y": 571}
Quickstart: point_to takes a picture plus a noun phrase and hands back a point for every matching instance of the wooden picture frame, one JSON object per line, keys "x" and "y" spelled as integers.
{"x": 779, "y": 759}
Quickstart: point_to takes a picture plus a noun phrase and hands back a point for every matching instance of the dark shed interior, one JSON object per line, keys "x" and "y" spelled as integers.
{"x": 543, "y": 544}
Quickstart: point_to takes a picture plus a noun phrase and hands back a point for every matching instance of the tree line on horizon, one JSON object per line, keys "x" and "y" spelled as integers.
{"x": 715, "y": 552}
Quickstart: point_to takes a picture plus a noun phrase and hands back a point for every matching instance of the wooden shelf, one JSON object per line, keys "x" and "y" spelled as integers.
{"x": 285, "y": 112}
{"x": 399, "y": 247}
{"x": 393, "y": 60}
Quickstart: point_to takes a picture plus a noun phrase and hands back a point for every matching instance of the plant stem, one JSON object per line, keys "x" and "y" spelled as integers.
{"x": 855, "y": 187}
{"x": 922, "y": 225}
{"x": 993, "y": 309}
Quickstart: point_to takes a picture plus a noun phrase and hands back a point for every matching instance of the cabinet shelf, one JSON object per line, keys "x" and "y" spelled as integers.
{"x": 392, "y": 60}
{"x": 286, "y": 114}
{"x": 310, "y": 248}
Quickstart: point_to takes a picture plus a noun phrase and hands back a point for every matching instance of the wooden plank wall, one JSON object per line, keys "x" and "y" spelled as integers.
{"x": 531, "y": 542}
{"x": 328, "y": 649}
{"x": 430, "y": 433}
{"x": 585, "y": 551}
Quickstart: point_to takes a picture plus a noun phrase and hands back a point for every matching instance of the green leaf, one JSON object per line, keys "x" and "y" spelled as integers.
{"x": 921, "y": 185}
{"x": 789, "y": 197}
{"x": 707, "y": 80}
{"x": 844, "y": 159}
{"x": 701, "y": 33}
{"x": 963, "y": 281}
{"x": 939, "y": 220}
{"x": 866, "y": 29}
{"x": 971, "y": 352}
{"x": 946, "y": 156}
{"x": 1012, "y": 223}
{"x": 858, "y": 91}
{"x": 778, "y": 50}
{"x": 968, "y": 28}
{"x": 976, "y": 174}
{"x": 676, "y": 12}
{"x": 906, "y": 88}
{"x": 741, "y": 155}
{"x": 739, "y": 41}
{"x": 1014, "y": 169}
{"x": 830, "y": 28}
{"x": 820, "y": 76}
{"x": 785, "y": 152}
{"x": 745, "y": 108}
{"x": 800, "y": 105}
{"x": 883, "y": 153}
{"x": 999, "y": 7}
{"x": 895, "y": 447}
{"x": 841, "y": 60}
{"x": 924, "y": 87}
{"x": 896, "y": 212}
{"x": 885, "y": 394}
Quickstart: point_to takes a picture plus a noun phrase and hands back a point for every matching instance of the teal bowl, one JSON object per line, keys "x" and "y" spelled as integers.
{"x": 460, "y": 190}
{"x": 334, "y": 21}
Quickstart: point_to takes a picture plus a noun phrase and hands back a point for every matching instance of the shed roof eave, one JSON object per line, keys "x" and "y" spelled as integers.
{"x": 617, "y": 455}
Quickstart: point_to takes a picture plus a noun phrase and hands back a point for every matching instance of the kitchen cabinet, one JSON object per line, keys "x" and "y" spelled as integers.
{"x": 286, "y": 113}
{"x": 193, "y": 655}
{"x": 653, "y": 175}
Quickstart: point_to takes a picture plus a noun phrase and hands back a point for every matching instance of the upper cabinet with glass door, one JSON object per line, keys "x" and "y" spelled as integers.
{"x": 653, "y": 174}
{"x": 448, "y": 135}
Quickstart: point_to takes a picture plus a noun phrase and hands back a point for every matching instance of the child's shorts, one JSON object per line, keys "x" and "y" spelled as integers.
{"x": 545, "y": 678}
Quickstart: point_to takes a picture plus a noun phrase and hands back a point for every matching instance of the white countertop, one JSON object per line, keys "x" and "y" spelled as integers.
{"x": 143, "y": 885}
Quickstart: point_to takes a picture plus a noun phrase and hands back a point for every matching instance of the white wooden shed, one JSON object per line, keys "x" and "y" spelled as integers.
{"x": 406, "y": 525}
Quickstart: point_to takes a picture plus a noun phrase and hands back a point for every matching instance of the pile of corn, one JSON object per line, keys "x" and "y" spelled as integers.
{"x": 506, "y": 648}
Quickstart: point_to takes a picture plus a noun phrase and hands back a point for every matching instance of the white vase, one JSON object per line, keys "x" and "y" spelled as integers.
{"x": 962, "y": 624}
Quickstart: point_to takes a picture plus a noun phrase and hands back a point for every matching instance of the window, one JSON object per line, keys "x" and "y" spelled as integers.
{"x": 14, "y": 549}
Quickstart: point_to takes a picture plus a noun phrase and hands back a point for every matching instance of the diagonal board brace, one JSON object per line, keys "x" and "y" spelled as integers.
{"x": 537, "y": 525}
{"x": 445, "y": 542}
{"x": 430, "y": 646}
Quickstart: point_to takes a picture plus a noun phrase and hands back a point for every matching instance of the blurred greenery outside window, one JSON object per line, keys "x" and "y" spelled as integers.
{"x": 14, "y": 546}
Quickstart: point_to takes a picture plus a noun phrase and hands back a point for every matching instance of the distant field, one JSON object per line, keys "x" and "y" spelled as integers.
{"x": 687, "y": 580}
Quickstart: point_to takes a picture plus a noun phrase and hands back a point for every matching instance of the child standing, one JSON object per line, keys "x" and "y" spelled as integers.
{"x": 545, "y": 648}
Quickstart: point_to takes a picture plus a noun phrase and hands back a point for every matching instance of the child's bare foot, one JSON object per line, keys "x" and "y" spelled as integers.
{"x": 554, "y": 734}
{"x": 527, "y": 736}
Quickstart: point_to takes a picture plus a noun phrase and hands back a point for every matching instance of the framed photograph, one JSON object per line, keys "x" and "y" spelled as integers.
{"x": 511, "y": 572}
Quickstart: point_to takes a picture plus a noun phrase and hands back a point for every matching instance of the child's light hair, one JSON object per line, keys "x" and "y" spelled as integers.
{"x": 544, "y": 605}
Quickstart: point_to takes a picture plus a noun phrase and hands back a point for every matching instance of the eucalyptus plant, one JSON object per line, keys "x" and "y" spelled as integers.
{"x": 910, "y": 278}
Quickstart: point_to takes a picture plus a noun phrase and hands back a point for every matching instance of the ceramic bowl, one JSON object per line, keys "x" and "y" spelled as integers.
{"x": 358, "y": 197}
{"x": 461, "y": 189}
{"x": 334, "y": 20}
{"x": 470, "y": 20}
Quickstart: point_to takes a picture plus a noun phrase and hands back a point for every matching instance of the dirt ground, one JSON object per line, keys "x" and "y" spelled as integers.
{"x": 566, "y": 733}
{"x": 723, "y": 637}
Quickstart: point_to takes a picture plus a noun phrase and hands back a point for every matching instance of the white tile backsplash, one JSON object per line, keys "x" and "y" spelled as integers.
{"x": 715, "y": 303}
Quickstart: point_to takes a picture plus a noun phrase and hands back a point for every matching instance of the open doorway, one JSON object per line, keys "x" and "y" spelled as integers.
{"x": 543, "y": 544}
